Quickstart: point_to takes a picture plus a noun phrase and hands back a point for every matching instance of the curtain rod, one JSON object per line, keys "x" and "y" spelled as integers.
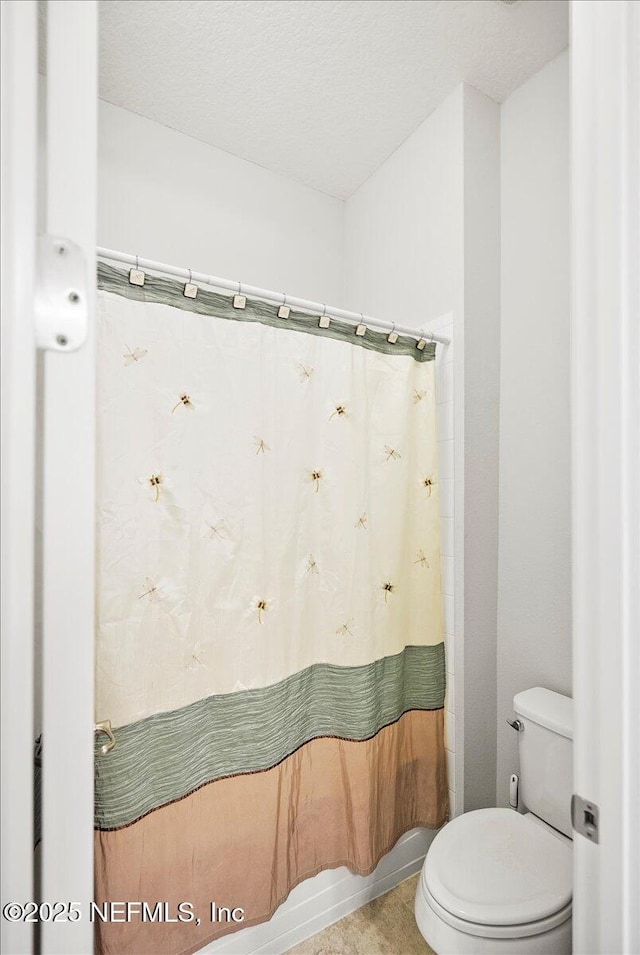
{"x": 277, "y": 297}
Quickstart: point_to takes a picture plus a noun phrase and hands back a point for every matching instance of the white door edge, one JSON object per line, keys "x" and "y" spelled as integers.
{"x": 606, "y": 468}
{"x": 69, "y": 491}
{"x": 19, "y": 177}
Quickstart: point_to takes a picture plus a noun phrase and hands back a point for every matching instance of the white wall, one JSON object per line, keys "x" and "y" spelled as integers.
{"x": 404, "y": 226}
{"x": 534, "y": 597}
{"x": 166, "y": 196}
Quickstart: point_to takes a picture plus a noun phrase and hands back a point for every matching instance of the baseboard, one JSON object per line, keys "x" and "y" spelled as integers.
{"x": 322, "y": 900}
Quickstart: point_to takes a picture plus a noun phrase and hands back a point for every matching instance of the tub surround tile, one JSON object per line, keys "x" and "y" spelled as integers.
{"x": 444, "y": 385}
{"x": 444, "y": 417}
{"x": 447, "y": 500}
{"x": 447, "y": 536}
{"x": 449, "y": 700}
{"x": 445, "y": 454}
{"x": 448, "y": 606}
{"x": 451, "y": 769}
{"x": 447, "y": 571}
{"x": 450, "y": 731}
{"x": 449, "y": 651}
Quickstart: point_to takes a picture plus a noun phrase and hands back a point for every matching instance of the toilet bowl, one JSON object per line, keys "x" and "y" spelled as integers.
{"x": 499, "y": 882}
{"x": 494, "y": 882}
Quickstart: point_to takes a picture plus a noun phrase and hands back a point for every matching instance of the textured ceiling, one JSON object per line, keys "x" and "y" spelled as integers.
{"x": 321, "y": 91}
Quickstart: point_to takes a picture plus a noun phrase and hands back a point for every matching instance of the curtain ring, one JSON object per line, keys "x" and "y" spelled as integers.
{"x": 239, "y": 300}
{"x": 283, "y": 310}
{"x": 392, "y": 337}
{"x": 190, "y": 290}
{"x": 136, "y": 277}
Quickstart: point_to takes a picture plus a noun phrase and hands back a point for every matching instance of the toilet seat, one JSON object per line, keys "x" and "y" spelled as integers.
{"x": 496, "y": 873}
{"x": 524, "y": 930}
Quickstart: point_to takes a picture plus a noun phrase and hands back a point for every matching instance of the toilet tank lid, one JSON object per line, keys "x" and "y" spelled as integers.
{"x": 551, "y": 710}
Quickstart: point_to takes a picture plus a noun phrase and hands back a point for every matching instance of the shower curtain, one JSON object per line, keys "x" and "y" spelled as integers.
{"x": 269, "y": 646}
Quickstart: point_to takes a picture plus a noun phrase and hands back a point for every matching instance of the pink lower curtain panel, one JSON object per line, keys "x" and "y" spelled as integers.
{"x": 269, "y": 646}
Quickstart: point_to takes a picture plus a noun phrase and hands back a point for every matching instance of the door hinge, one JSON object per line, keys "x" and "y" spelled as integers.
{"x": 61, "y": 305}
{"x": 584, "y": 817}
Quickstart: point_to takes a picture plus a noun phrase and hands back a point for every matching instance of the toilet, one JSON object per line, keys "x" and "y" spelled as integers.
{"x": 500, "y": 881}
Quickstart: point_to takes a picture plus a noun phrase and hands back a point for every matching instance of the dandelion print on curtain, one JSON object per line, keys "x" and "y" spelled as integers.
{"x": 269, "y": 645}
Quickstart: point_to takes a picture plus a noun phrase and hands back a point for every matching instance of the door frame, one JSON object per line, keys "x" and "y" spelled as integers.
{"x": 48, "y": 467}
{"x": 605, "y": 332}
{"x": 19, "y": 175}
{"x": 68, "y": 499}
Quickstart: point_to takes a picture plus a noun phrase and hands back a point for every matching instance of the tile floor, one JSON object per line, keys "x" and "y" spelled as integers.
{"x": 385, "y": 926}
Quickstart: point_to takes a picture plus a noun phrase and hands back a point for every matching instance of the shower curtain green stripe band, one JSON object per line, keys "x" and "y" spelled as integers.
{"x": 165, "y": 291}
{"x": 167, "y": 756}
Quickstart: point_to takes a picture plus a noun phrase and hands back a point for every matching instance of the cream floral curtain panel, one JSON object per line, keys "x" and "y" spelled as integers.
{"x": 269, "y": 620}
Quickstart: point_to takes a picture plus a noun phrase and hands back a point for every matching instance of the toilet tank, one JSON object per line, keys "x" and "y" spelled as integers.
{"x": 546, "y": 757}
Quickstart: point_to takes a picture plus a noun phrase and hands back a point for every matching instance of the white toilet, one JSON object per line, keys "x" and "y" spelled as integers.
{"x": 496, "y": 881}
